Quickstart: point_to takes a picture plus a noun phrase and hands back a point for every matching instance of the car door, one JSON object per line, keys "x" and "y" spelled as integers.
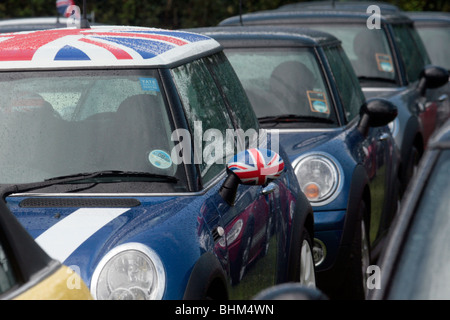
{"x": 371, "y": 150}
{"x": 414, "y": 58}
{"x": 245, "y": 226}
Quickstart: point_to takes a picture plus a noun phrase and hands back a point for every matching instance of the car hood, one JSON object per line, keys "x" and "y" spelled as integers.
{"x": 297, "y": 142}
{"x": 80, "y": 235}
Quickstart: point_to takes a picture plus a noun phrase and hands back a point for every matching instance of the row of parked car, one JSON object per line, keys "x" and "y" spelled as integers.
{"x": 217, "y": 162}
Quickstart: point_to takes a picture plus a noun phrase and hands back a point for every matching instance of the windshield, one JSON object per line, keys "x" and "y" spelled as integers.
{"x": 69, "y": 122}
{"x": 367, "y": 49}
{"x": 437, "y": 43}
{"x": 285, "y": 86}
{"x": 423, "y": 271}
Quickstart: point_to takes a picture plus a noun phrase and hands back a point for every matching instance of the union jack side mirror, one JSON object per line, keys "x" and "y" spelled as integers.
{"x": 255, "y": 166}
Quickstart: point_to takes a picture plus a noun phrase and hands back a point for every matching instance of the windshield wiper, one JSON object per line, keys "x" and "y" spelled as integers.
{"x": 293, "y": 118}
{"x": 88, "y": 177}
{"x": 120, "y": 175}
{"x": 381, "y": 79}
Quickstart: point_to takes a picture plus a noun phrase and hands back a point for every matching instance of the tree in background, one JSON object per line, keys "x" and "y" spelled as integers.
{"x": 174, "y": 14}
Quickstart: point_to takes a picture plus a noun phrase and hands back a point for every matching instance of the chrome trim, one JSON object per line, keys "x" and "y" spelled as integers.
{"x": 394, "y": 127}
{"x": 319, "y": 243}
{"x": 132, "y": 246}
{"x": 375, "y": 89}
{"x": 289, "y": 130}
{"x": 339, "y": 171}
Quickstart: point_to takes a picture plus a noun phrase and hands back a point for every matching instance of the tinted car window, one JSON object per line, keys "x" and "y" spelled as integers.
{"x": 283, "y": 81}
{"x": 367, "y": 49}
{"x": 437, "y": 43}
{"x": 422, "y": 271}
{"x": 234, "y": 93}
{"x": 7, "y": 279}
{"x": 206, "y": 113}
{"x": 346, "y": 81}
{"x": 413, "y": 58}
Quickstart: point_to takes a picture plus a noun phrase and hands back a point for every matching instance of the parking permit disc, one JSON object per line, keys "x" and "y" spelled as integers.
{"x": 160, "y": 159}
{"x": 318, "y": 102}
{"x": 384, "y": 62}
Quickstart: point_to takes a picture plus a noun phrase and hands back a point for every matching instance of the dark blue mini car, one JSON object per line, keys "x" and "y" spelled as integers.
{"x": 389, "y": 60}
{"x": 303, "y": 88}
{"x": 133, "y": 156}
{"x": 434, "y": 30}
{"x": 414, "y": 263}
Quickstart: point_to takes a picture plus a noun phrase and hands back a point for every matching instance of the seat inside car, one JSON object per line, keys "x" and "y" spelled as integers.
{"x": 138, "y": 129}
{"x": 290, "y": 82}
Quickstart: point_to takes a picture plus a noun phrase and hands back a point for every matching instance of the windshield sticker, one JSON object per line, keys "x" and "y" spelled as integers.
{"x": 318, "y": 102}
{"x": 149, "y": 84}
{"x": 384, "y": 62}
{"x": 160, "y": 159}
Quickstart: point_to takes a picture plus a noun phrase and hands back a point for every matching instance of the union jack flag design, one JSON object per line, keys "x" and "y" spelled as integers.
{"x": 257, "y": 166}
{"x": 99, "y": 45}
{"x": 62, "y": 5}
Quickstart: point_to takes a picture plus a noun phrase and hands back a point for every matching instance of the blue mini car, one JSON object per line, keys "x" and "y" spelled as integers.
{"x": 416, "y": 247}
{"x": 389, "y": 60}
{"x": 133, "y": 156}
{"x": 302, "y": 87}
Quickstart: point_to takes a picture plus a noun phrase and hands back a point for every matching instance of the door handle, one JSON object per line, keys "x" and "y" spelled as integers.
{"x": 383, "y": 136}
{"x": 269, "y": 188}
{"x": 443, "y": 97}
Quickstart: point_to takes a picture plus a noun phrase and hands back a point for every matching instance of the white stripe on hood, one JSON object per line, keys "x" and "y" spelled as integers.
{"x": 62, "y": 239}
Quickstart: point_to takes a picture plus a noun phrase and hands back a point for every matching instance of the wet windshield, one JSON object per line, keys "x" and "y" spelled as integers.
{"x": 367, "y": 49}
{"x": 69, "y": 122}
{"x": 285, "y": 86}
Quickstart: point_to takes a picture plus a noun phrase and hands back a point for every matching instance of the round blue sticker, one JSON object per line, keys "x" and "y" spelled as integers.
{"x": 160, "y": 159}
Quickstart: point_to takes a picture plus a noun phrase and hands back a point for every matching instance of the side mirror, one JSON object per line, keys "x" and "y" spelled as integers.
{"x": 254, "y": 166}
{"x": 376, "y": 112}
{"x": 432, "y": 77}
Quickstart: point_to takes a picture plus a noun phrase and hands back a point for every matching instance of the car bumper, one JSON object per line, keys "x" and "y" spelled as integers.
{"x": 328, "y": 230}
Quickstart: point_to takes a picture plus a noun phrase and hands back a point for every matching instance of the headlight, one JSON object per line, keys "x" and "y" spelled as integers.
{"x": 320, "y": 177}
{"x": 131, "y": 271}
{"x": 233, "y": 234}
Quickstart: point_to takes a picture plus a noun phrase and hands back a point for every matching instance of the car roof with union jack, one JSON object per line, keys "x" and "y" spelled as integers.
{"x": 101, "y": 46}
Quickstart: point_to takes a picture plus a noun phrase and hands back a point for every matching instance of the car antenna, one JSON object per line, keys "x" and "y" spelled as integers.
{"x": 84, "y": 23}
{"x": 240, "y": 12}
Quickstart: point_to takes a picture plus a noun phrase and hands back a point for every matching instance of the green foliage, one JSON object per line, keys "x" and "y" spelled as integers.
{"x": 173, "y": 14}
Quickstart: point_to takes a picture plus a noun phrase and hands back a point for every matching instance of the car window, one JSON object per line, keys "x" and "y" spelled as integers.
{"x": 283, "y": 81}
{"x": 437, "y": 43}
{"x": 412, "y": 56}
{"x": 207, "y": 116}
{"x": 367, "y": 49}
{"x": 234, "y": 92}
{"x": 425, "y": 256}
{"x": 348, "y": 86}
{"x": 56, "y": 123}
{"x": 7, "y": 278}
